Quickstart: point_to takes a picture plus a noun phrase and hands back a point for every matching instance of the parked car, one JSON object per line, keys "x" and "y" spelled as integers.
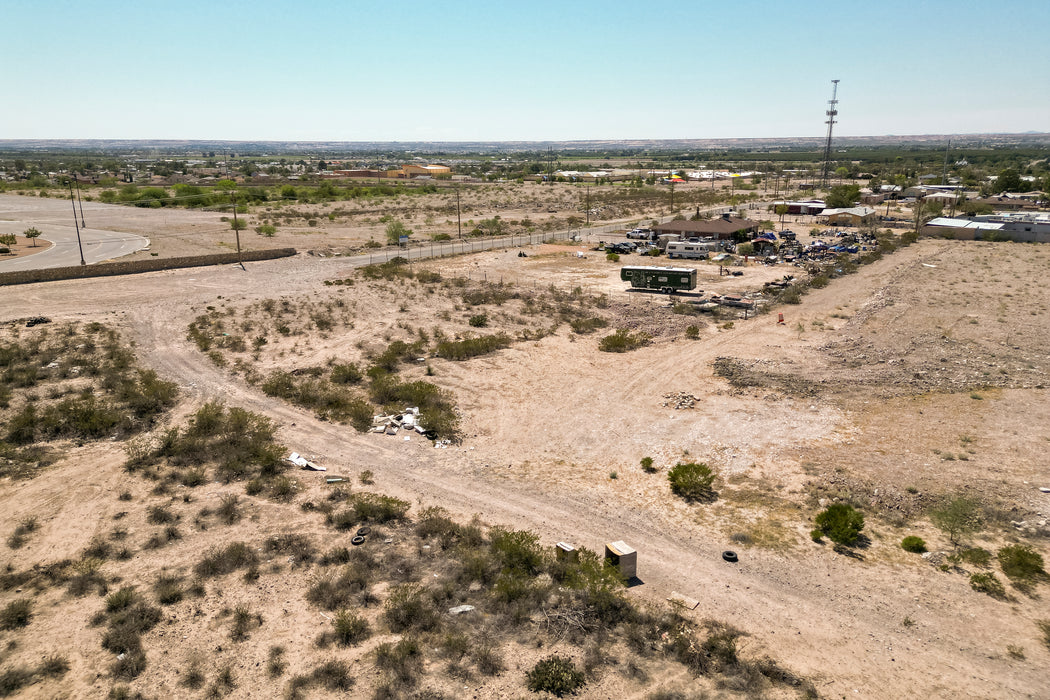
{"x": 642, "y": 233}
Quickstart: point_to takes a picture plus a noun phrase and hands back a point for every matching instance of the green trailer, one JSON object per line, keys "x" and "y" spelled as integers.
{"x": 664, "y": 279}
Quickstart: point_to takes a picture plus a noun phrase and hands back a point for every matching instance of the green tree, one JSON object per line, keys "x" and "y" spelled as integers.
{"x": 1009, "y": 181}
{"x": 32, "y": 234}
{"x": 841, "y": 196}
{"x": 841, "y": 523}
{"x": 957, "y": 516}
{"x": 745, "y": 249}
{"x": 780, "y": 210}
{"x": 394, "y": 231}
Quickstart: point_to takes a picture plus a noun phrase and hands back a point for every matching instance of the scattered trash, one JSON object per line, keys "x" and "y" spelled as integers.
{"x": 442, "y": 444}
{"x": 1044, "y": 489}
{"x": 680, "y": 400}
{"x": 460, "y": 609}
{"x": 928, "y": 265}
{"x": 303, "y": 463}
{"x": 36, "y": 321}
{"x": 357, "y": 540}
{"x": 730, "y": 556}
{"x": 335, "y": 479}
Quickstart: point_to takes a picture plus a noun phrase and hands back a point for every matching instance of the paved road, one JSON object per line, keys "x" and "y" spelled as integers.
{"x": 58, "y": 240}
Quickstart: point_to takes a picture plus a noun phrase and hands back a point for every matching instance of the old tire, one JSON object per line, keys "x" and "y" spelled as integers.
{"x": 364, "y": 531}
{"x": 357, "y": 540}
{"x": 730, "y": 556}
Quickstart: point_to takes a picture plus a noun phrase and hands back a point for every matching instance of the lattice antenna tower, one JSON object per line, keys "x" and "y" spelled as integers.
{"x": 831, "y": 113}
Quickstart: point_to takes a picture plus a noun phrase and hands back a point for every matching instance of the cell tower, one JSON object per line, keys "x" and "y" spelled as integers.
{"x": 832, "y": 112}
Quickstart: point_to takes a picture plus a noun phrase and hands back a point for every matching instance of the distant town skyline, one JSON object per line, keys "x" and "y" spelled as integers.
{"x": 541, "y": 71}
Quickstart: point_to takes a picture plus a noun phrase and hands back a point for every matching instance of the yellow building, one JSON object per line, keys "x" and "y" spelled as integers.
{"x": 426, "y": 170}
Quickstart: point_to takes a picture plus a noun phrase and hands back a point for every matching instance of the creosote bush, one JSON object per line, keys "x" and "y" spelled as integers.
{"x": 841, "y": 523}
{"x": 987, "y": 583}
{"x": 692, "y": 481}
{"x": 555, "y": 674}
{"x": 622, "y": 340}
{"x": 913, "y": 544}
{"x": 1021, "y": 563}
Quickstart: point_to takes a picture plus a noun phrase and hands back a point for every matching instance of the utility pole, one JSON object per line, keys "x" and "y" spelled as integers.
{"x": 944, "y": 171}
{"x": 237, "y": 231}
{"x": 831, "y": 113}
{"x": 74, "y": 204}
{"x": 79, "y": 202}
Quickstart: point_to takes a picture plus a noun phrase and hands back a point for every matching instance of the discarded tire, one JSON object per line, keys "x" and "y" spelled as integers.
{"x": 729, "y": 556}
{"x": 358, "y": 539}
{"x": 364, "y": 531}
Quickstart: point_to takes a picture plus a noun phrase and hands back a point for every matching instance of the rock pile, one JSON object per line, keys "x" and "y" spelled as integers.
{"x": 680, "y": 400}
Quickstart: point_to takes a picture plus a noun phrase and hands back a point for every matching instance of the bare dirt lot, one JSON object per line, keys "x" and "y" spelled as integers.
{"x": 919, "y": 377}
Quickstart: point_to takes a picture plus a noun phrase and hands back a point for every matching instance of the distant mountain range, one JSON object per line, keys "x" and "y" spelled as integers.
{"x": 175, "y": 146}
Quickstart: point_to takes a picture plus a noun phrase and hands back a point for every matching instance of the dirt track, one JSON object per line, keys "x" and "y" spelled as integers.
{"x": 547, "y": 422}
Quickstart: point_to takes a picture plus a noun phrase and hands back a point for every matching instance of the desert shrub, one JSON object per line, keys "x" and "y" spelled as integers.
{"x": 220, "y": 561}
{"x": 622, "y": 340}
{"x": 555, "y": 674}
{"x": 479, "y": 321}
{"x": 160, "y": 515}
{"x": 976, "y": 556}
{"x": 692, "y": 332}
{"x": 1021, "y": 563}
{"x": 350, "y": 628}
{"x": 692, "y": 481}
{"x": 913, "y": 544}
{"x": 229, "y": 508}
{"x": 243, "y": 622}
{"x": 987, "y": 583}
{"x": 403, "y": 660}
{"x": 346, "y": 374}
{"x": 516, "y": 551}
{"x": 334, "y": 592}
{"x": 1044, "y": 627}
{"x": 13, "y": 679}
{"x": 956, "y": 516}
{"x": 410, "y": 607}
{"x": 53, "y": 666}
{"x": 612, "y": 257}
{"x": 841, "y": 523}
{"x": 121, "y": 599}
{"x": 377, "y": 508}
{"x": 471, "y": 347}
{"x": 16, "y": 614}
{"x": 583, "y": 326}
{"x": 168, "y": 589}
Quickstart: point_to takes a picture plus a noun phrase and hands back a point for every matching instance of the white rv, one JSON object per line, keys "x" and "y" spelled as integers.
{"x": 691, "y": 249}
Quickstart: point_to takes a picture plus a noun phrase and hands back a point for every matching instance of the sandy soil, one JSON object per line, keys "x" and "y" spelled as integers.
{"x": 861, "y": 392}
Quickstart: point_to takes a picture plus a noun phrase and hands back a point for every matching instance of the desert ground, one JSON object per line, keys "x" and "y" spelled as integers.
{"x": 917, "y": 378}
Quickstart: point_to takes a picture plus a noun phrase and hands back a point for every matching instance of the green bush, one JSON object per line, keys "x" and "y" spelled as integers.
{"x": 841, "y": 523}
{"x": 692, "y": 481}
{"x": 913, "y": 544}
{"x": 410, "y": 607}
{"x": 583, "y": 326}
{"x": 987, "y": 583}
{"x": 647, "y": 465}
{"x": 471, "y": 347}
{"x": 1021, "y": 563}
{"x": 555, "y": 674}
{"x": 16, "y": 614}
{"x": 350, "y": 628}
{"x": 623, "y": 341}
{"x": 479, "y": 320}
{"x": 612, "y": 257}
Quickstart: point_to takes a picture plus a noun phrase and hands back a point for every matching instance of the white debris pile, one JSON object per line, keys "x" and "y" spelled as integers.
{"x": 680, "y": 400}
{"x": 442, "y": 444}
{"x": 302, "y": 462}
{"x": 392, "y": 424}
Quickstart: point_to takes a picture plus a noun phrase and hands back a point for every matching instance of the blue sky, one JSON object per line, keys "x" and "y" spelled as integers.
{"x": 494, "y": 71}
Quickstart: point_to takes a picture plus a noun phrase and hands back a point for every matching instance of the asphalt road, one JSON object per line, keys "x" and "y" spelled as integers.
{"x": 53, "y": 218}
